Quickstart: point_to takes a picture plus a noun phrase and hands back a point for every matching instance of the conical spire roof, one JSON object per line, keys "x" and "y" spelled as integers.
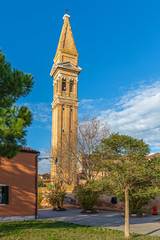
{"x": 66, "y": 41}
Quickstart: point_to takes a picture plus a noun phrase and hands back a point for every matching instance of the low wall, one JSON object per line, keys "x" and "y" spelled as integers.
{"x": 155, "y": 202}
{"x": 43, "y": 191}
{"x": 104, "y": 204}
{"x": 16, "y": 218}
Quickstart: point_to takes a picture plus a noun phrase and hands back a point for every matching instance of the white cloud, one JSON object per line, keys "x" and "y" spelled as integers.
{"x": 44, "y": 164}
{"x": 135, "y": 113}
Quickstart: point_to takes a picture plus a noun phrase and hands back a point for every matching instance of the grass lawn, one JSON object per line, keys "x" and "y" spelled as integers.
{"x": 48, "y": 230}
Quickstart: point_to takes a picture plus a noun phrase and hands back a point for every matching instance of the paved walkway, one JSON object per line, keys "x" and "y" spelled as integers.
{"x": 113, "y": 220}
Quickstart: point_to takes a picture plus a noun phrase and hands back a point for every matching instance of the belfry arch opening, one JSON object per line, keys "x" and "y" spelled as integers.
{"x": 71, "y": 86}
{"x": 63, "y": 85}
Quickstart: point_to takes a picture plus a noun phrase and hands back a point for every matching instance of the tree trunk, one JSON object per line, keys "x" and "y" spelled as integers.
{"x": 126, "y": 231}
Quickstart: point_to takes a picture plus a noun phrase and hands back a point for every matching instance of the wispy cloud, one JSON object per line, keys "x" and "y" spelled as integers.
{"x": 93, "y": 106}
{"x": 134, "y": 114}
{"x": 42, "y": 114}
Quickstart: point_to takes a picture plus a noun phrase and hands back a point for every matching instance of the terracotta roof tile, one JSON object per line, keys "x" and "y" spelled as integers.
{"x": 28, "y": 149}
{"x": 154, "y": 155}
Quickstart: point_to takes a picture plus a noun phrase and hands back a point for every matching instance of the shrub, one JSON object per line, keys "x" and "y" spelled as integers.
{"x": 56, "y": 195}
{"x": 138, "y": 198}
{"x": 40, "y": 184}
{"x": 88, "y": 195}
{"x": 40, "y": 198}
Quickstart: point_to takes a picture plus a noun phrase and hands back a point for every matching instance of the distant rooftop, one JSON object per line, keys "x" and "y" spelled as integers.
{"x": 154, "y": 155}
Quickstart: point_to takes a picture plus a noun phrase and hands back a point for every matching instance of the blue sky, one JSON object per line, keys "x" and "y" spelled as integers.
{"x": 119, "y": 47}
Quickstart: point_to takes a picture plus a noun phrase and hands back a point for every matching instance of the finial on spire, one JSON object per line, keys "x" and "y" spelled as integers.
{"x": 66, "y": 16}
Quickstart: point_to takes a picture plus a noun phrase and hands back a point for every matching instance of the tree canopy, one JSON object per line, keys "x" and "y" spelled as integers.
{"x": 128, "y": 170}
{"x": 14, "y": 119}
{"x": 124, "y": 159}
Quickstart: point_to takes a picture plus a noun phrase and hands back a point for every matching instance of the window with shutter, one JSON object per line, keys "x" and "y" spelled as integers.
{"x": 0, "y": 195}
{"x": 4, "y": 194}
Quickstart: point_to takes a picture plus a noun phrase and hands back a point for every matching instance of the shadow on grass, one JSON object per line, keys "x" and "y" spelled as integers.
{"x": 37, "y": 225}
{"x": 18, "y": 230}
{"x": 8, "y": 229}
{"x": 153, "y": 231}
{"x": 15, "y": 227}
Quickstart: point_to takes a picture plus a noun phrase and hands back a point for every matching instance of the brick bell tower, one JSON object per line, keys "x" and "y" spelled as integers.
{"x": 65, "y": 73}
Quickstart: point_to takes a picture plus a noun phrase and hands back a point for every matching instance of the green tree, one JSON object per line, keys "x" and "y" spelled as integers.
{"x": 123, "y": 158}
{"x": 14, "y": 84}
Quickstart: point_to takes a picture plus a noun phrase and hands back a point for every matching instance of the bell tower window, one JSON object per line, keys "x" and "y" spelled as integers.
{"x": 63, "y": 85}
{"x": 71, "y": 86}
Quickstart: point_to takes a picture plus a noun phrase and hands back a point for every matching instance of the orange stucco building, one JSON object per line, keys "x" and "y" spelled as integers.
{"x": 18, "y": 186}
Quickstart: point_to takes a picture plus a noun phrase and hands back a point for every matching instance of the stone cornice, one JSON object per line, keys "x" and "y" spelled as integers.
{"x": 66, "y": 66}
{"x": 66, "y": 101}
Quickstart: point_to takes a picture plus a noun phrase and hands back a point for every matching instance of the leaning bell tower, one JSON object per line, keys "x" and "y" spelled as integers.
{"x": 65, "y": 73}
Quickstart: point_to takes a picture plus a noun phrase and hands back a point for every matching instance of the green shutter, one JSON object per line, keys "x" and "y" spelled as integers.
{"x": 5, "y": 194}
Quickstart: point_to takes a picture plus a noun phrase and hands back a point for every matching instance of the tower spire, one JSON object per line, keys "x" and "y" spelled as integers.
{"x": 66, "y": 41}
{"x": 65, "y": 71}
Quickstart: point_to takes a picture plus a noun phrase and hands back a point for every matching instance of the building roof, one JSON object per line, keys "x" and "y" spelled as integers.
{"x": 28, "y": 149}
{"x": 154, "y": 155}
